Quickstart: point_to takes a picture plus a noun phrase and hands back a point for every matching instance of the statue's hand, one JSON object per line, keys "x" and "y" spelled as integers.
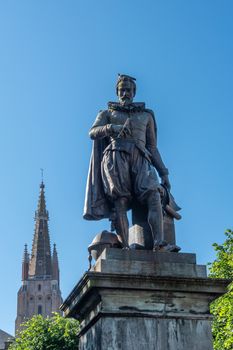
{"x": 161, "y": 190}
{"x": 165, "y": 181}
{"x": 116, "y": 129}
{"x": 120, "y": 130}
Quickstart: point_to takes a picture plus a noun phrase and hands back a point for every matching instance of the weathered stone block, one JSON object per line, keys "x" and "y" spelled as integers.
{"x": 148, "y": 255}
{"x": 119, "y": 334}
{"x": 136, "y": 299}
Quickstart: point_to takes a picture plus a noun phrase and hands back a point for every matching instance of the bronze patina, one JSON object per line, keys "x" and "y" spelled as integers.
{"x": 124, "y": 165}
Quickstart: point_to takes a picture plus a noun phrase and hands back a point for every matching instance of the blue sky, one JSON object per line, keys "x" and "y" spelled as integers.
{"x": 58, "y": 66}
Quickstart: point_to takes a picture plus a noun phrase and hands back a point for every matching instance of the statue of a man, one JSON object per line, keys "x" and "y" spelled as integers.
{"x": 124, "y": 164}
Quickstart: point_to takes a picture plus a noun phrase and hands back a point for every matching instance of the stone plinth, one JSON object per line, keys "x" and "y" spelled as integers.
{"x": 136, "y": 299}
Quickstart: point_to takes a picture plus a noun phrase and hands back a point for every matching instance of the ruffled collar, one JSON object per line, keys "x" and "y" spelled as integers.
{"x": 133, "y": 107}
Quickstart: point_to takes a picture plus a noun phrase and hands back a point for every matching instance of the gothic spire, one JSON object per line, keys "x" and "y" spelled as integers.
{"x": 40, "y": 264}
{"x": 40, "y": 292}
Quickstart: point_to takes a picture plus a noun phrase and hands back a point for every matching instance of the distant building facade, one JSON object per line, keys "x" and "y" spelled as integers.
{"x": 40, "y": 290}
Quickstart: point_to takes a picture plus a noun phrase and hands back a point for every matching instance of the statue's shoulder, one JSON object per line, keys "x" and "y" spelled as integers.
{"x": 152, "y": 115}
{"x": 103, "y": 114}
{"x": 150, "y": 111}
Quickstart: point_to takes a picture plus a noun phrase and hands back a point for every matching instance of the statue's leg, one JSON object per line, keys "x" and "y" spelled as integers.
{"x": 155, "y": 218}
{"x": 121, "y": 223}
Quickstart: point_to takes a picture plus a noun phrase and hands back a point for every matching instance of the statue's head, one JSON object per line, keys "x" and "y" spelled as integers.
{"x": 125, "y": 88}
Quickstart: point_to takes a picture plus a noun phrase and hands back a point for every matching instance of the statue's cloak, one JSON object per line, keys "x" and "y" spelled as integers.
{"x": 96, "y": 205}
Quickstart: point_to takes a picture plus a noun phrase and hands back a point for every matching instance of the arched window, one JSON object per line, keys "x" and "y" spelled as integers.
{"x": 39, "y": 287}
{"x": 39, "y": 309}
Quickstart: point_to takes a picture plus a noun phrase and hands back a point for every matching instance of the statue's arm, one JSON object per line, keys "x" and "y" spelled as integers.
{"x": 151, "y": 145}
{"x": 101, "y": 127}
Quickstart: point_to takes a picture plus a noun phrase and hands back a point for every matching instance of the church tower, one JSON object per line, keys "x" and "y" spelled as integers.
{"x": 40, "y": 291}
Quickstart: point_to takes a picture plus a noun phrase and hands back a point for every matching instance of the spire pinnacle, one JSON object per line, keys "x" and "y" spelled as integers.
{"x": 25, "y": 264}
{"x": 40, "y": 262}
{"x": 41, "y": 207}
{"x": 25, "y": 254}
{"x": 54, "y": 248}
{"x": 55, "y": 266}
{"x": 42, "y": 174}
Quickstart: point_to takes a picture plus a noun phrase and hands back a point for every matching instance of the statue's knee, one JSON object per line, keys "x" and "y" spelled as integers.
{"x": 121, "y": 204}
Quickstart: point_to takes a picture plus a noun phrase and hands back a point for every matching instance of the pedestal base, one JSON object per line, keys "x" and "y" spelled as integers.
{"x": 136, "y": 299}
{"x": 138, "y": 333}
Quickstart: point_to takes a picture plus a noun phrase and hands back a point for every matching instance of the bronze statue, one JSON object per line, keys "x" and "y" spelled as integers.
{"x": 124, "y": 165}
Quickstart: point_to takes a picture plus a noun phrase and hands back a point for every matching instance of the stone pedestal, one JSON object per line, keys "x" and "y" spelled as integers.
{"x": 133, "y": 300}
{"x": 140, "y": 231}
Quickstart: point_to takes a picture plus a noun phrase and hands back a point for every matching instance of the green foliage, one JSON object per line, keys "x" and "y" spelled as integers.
{"x": 222, "y": 308}
{"x": 47, "y": 334}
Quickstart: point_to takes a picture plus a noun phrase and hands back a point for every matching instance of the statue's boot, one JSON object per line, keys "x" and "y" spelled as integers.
{"x": 155, "y": 220}
{"x": 121, "y": 221}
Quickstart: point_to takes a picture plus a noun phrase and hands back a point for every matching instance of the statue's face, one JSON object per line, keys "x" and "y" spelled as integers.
{"x": 126, "y": 93}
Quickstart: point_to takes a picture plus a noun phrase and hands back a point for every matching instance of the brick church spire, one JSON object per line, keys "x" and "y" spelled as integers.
{"x": 40, "y": 263}
{"x": 40, "y": 291}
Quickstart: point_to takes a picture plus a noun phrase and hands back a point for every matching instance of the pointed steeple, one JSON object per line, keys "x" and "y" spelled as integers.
{"x": 40, "y": 264}
{"x": 40, "y": 292}
{"x": 55, "y": 265}
{"x": 41, "y": 208}
{"x": 25, "y": 264}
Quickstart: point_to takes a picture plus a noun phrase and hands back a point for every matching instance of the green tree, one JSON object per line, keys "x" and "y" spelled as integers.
{"x": 222, "y": 308}
{"x": 51, "y": 333}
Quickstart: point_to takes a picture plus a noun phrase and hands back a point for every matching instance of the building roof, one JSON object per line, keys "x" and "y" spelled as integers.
{"x": 4, "y": 336}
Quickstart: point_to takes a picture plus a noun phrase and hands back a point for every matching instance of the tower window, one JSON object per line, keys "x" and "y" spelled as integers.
{"x": 39, "y": 309}
{"x": 39, "y": 287}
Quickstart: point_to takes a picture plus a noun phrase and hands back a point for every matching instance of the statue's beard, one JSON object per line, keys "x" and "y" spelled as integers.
{"x": 126, "y": 100}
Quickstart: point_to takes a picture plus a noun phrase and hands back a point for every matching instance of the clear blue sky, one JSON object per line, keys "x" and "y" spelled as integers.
{"x": 58, "y": 66}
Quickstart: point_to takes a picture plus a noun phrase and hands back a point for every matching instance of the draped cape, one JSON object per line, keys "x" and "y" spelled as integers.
{"x": 96, "y": 205}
